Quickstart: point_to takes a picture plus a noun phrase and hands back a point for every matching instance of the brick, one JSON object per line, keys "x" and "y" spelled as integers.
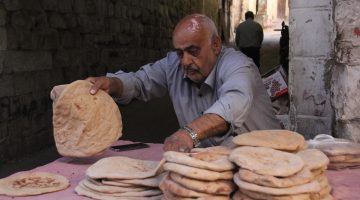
{"x": 50, "y": 5}
{"x": 12, "y": 5}
{"x": 20, "y": 61}
{"x": 4, "y": 109}
{"x": 79, "y": 6}
{"x": 13, "y": 38}
{"x": 21, "y": 20}
{"x": 66, "y": 6}
{"x": 41, "y": 80}
{"x": 3, "y": 132}
{"x": 23, "y": 83}
{"x": 3, "y": 14}
{"x": 57, "y": 21}
{"x": 6, "y": 85}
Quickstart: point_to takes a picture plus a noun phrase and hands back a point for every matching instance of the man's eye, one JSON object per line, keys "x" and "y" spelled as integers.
{"x": 194, "y": 52}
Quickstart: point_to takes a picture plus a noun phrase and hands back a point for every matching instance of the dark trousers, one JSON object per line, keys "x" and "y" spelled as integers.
{"x": 254, "y": 53}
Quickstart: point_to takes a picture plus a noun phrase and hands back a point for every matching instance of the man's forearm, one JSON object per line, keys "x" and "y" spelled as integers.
{"x": 116, "y": 87}
{"x": 209, "y": 125}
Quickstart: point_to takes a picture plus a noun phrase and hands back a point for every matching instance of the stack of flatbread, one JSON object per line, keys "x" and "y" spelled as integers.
{"x": 342, "y": 153}
{"x": 32, "y": 183}
{"x": 204, "y": 174}
{"x": 84, "y": 124}
{"x": 122, "y": 178}
{"x": 272, "y": 168}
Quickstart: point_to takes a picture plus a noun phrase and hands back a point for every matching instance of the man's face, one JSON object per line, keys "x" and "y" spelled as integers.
{"x": 198, "y": 53}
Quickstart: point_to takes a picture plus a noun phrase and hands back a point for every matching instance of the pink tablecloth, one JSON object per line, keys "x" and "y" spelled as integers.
{"x": 74, "y": 170}
{"x": 345, "y": 183}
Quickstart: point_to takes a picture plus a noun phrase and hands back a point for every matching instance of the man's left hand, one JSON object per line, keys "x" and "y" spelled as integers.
{"x": 179, "y": 141}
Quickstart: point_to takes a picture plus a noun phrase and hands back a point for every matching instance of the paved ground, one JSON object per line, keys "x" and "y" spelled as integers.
{"x": 155, "y": 118}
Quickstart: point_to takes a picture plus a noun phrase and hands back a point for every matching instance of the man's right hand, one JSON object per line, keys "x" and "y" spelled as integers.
{"x": 101, "y": 82}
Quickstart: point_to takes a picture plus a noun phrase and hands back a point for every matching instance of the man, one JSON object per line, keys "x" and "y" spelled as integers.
{"x": 249, "y": 36}
{"x": 216, "y": 91}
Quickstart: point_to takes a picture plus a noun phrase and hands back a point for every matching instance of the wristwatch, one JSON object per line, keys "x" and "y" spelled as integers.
{"x": 193, "y": 135}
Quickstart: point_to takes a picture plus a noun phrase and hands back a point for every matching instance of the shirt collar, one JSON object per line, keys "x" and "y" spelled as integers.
{"x": 210, "y": 80}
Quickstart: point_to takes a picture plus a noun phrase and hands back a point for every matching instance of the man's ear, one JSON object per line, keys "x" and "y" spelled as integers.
{"x": 216, "y": 44}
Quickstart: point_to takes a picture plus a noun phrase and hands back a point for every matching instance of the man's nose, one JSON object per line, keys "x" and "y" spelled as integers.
{"x": 186, "y": 59}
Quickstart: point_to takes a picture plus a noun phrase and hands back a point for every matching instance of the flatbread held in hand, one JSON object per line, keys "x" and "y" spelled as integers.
{"x": 85, "y": 124}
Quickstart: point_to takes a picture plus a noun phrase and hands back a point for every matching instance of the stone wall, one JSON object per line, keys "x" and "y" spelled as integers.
{"x": 311, "y": 29}
{"x": 44, "y": 43}
{"x": 345, "y": 81}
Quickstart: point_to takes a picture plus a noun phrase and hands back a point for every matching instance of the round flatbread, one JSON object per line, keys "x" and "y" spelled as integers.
{"x": 339, "y": 148}
{"x": 35, "y": 183}
{"x": 345, "y": 158}
{"x": 202, "y": 160}
{"x": 82, "y": 190}
{"x": 215, "y": 149}
{"x": 109, "y": 189}
{"x": 262, "y": 196}
{"x": 276, "y": 139}
{"x": 218, "y": 187}
{"x": 179, "y": 190}
{"x": 302, "y": 177}
{"x": 120, "y": 167}
{"x": 147, "y": 182}
{"x": 85, "y": 124}
{"x": 314, "y": 158}
{"x": 312, "y": 187}
{"x": 267, "y": 161}
{"x": 196, "y": 173}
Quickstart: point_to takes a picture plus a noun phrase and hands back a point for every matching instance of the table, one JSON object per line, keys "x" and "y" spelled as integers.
{"x": 345, "y": 183}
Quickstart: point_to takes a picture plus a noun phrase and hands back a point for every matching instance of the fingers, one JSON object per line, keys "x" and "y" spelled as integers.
{"x": 178, "y": 142}
{"x": 99, "y": 83}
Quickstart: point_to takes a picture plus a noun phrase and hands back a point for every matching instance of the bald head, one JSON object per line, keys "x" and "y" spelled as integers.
{"x": 196, "y": 24}
{"x": 197, "y": 44}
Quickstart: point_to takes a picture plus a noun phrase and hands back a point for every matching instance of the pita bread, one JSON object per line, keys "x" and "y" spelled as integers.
{"x": 314, "y": 158}
{"x": 240, "y": 196}
{"x": 317, "y": 172}
{"x": 179, "y": 190}
{"x": 312, "y": 187}
{"x": 196, "y": 173}
{"x": 302, "y": 177}
{"x": 215, "y": 149}
{"x": 108, "y": 189}
{"x": 345, "y": 158}
{"x": 202, "y": 160}
{"x": 34, "y": 183}
{"x": 276, "y": 139}
{"x": 267, "y": 161}
{"x": 219, "y": 187}
{"x": 85, "y": 124}
{"x": 147, "y": 182}
{"x": 116, "y": 183}
{"x": 339, "y": 166}
{"x": 120, "y": 167}
{"x": 336, "y": 149}
{"x": 262, "y": 196}
{"x": 145, "y": 195}
{"x": 167, "y": 195}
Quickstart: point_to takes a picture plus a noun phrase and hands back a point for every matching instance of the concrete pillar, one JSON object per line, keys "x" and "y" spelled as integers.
{"x": 311, "y": 30}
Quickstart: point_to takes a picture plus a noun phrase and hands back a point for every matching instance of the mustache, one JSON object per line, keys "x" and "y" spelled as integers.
{"x": 188, "y": 68}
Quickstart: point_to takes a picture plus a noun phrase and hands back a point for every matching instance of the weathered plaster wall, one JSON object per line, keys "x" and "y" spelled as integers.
{"x": 44, "y": 43}
{"x": 311, "y": 30}
{"x": 345, "y": 81}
